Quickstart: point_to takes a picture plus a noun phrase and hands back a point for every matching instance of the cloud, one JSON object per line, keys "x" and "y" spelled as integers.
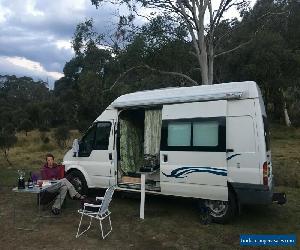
{"x": 40, "y": 31}
{"x": 21, "y": 66}
{"x": 4, "y": 14}
{"x": 63, "y": 44}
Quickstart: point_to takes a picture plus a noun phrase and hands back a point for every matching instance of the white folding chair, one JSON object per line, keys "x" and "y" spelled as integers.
{"x": 100, "y": 215}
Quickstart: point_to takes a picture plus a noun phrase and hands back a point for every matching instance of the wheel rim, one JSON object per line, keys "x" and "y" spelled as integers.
{"x": 217, "y": 208}
{"x": 77, "y": 184}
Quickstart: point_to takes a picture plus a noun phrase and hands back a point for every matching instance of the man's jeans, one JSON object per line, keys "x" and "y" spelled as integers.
{"x": 62, "y": 186}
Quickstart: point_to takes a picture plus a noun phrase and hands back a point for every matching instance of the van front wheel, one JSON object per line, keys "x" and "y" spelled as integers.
{"x": 222, "y": 211}
{"x": 78, "y": 181}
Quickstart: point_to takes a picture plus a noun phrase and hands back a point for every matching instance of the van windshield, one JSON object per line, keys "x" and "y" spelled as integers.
{"x": 266, "y": 133}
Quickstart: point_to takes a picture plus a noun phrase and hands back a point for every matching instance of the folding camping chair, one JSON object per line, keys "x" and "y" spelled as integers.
{"x": 97, "y": 211}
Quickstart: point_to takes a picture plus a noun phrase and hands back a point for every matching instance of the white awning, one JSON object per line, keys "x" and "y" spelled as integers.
{"x": 226, "y": 91}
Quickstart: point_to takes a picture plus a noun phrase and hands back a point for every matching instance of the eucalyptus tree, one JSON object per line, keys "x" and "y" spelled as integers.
{"x": 156, "y": 53}
{"x": 201, "y": 18}
{"x": 85, "y": 74}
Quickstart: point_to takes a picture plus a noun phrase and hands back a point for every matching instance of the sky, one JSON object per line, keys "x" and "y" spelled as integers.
{"x": 35, "y": 35}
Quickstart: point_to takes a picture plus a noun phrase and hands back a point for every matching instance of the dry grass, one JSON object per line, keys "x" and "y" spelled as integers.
{"x": 29, "y": 154}
{"x": 285, "y": 146}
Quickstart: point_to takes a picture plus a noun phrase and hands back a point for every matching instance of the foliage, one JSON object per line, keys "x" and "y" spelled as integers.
{"x": 26, "y": 125}
{"x": 23, "y": 99}
{"x": 7, "y": 140}
{"x": 293, "y": 98}
{"x": 272, "y": 59}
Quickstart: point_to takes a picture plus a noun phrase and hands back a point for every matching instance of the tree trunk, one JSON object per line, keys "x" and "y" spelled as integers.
{"x": 204, "y": 68}
{"x": 6, "y": 157}
{"x": 210, "y": 63}
{"x": 286, "y": 116}
{"x": 203, "y": 55}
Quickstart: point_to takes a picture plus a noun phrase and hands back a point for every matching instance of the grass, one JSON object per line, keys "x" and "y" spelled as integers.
{"x": 285, "y": 146}
{"x": 29, "y": 154}
{"x": 170, "y": 223}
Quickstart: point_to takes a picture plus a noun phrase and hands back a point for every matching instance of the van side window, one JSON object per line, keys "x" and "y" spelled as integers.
{"x": 205, "y": 133}
{"x": 102, "y": 135}
{"x": 199, "y": 134}
{"x": 179, "y": 134}
{"x": 96, "y": 138}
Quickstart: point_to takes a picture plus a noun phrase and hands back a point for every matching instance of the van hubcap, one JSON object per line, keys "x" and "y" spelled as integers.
{"x": 217, "y": 208}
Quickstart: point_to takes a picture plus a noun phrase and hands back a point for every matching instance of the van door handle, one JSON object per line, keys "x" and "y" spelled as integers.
{"x": 110, "y": 156}
{"x": 165, "y": 158}
{"x": 229, "y": 150}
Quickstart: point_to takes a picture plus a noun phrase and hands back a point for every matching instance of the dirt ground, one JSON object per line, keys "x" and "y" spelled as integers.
{"x": 170, "y": 223}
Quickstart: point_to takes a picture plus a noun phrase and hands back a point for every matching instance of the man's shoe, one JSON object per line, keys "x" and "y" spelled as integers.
{"x": 55, "y": 211}
{"x": 79, "y": 197}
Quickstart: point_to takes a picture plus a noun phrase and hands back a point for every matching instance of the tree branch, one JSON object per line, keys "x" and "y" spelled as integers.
{"x": 231, "y": 50}
{"x": 145, "y": 66}
{"x": 172, "y": 73}
{"x": 121, "y": 76}
{"x": 271, "y": 14}
{"x": 193, "y": 54}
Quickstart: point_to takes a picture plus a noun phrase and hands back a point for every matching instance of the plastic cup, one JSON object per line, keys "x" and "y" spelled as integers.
{"x": 40, "y": 183}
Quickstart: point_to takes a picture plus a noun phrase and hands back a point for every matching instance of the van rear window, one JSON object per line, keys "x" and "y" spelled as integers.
{"x": 266, "y": 133}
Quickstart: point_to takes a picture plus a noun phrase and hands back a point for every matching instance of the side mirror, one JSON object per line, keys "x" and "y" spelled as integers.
{"x": 75, "y": 147}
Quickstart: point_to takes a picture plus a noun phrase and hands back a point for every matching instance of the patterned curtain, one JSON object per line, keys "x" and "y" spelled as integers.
{"x": 152, "y": 135}
{"x": 131, "y": 146}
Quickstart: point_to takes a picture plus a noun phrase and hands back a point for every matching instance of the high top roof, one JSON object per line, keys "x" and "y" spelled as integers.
{"x": 223, "y": 91}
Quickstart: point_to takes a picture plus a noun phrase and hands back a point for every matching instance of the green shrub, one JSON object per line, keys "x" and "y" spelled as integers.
{"x": 26, "y": 125}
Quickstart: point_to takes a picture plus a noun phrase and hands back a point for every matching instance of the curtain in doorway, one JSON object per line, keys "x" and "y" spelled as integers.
{"x": 131, "y": 146}
{"x": 152, "y": 135}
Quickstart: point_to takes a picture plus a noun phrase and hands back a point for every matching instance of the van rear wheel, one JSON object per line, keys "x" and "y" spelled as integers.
{"x": 78, "y": 181}
{"x": 222, "y": 211}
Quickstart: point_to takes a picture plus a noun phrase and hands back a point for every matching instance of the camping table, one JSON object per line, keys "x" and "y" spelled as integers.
{"x": 35, "y": 190}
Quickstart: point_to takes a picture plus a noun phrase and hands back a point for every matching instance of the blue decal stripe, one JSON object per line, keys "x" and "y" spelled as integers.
{"x": 208, "y": 168}
{"x": 184, "y": 171}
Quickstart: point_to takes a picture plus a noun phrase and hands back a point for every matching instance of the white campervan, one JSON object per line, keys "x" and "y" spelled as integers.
{"x": 209, "y": 142}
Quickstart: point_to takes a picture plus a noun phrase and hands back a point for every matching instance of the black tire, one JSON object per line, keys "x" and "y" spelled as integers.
{"x": 222, "y": 211}
{"x": 78, "y": 181}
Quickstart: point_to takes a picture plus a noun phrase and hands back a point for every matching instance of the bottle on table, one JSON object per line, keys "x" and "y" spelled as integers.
{"x": 21, "y": 183}
{"x": 30, "y": 181}
{"x": 21, "y": 180}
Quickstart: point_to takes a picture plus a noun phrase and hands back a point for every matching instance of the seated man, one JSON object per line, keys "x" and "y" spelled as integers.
{"x": 50, "y": 171}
